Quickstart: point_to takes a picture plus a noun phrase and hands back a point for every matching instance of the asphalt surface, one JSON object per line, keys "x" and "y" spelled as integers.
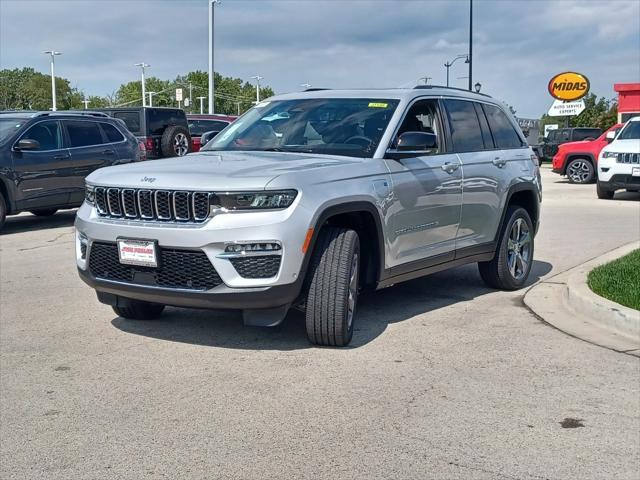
{"x": 445, "y": 379}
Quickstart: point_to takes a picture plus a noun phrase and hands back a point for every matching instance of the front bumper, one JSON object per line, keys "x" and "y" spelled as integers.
{"x": 620, "y": 182}
{"x": 286, "y": 227}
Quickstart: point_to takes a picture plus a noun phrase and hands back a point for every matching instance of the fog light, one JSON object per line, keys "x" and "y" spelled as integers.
{"x": 83, "y": 241}
{"x": 253, "y": 248}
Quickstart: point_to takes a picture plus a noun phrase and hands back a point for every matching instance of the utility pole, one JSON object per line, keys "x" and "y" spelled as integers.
{"x": 86, "y": 103}
{"x": 151, "y": 94}
{"x": 201, "y": 104}
{"x": 470, "y": 44}
{"x": 212, "y": 4}
{"x": 190, "y": 98}
{"x": 53, "y": 53}
{"x": 238, "y": 104}
{"x": 142, "y": 66}
{"x": 257, "y": 78}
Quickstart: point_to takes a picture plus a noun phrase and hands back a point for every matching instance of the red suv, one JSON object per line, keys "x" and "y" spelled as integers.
{"x": 199, "y": 124}
{"x": 577, "y": 160}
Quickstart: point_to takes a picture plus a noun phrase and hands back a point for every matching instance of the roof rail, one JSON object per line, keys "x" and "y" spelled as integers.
{"x": 426, "y": 87}
{"x": 80, "y": 113}
{"x": 313, "y": 89}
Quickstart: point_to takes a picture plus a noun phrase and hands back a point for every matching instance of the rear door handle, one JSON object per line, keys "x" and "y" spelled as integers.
{"x": 499, "y": 162}
{"x": 61, "y": 157}
{"x": 450, "y": 167}
{"x": 108, "y": 152}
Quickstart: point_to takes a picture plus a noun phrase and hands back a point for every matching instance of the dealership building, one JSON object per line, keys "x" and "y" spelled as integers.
{"x": 628, "y": 100}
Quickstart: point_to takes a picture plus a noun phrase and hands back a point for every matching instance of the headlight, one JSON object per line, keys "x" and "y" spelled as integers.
{"x": 257, "y": 200}
{"x": 90, "y": 195}
{"x": 609, "y": 154}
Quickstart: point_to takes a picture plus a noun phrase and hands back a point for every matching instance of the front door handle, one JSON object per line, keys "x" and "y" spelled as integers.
{"x": 499, "y": 162}
{"x": 450, "y": 167}
{"x": 61, "y": 157}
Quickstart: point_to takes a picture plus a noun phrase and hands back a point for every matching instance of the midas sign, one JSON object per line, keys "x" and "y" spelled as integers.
{"x": 569, "y": 86}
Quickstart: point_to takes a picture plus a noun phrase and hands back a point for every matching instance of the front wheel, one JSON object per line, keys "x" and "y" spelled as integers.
{"x": 580, "y": 170}
{"x": 603, "y": 193}
{"x": 138, "y": 310}
{"x": 511, "y": 264}
{"x": 332, "y": 294}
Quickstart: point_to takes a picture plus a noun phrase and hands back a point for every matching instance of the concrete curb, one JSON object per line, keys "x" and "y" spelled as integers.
{"x": 566, "y": 302}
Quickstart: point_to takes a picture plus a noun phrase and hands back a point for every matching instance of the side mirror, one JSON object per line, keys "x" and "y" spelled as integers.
{"x": 416, "y": 142}
{"x": 207, "y": 136}
{"x": 28, "y": 144}
{"x": 610, "y": 136}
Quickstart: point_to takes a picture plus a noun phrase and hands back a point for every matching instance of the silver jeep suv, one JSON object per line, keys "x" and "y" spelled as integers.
{"x": 308, "y": 199}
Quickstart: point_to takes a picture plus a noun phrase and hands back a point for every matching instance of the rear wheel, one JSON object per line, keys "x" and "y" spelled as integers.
{"x": 175, "y": 142}
{"x": 138, "y": 310}
{"x": 45, "y": 212}
{"x": 332, "y": 294}
{"x": 510, "y": 267}
{"x": 580, "y": 170}
{"x": 603, "y": 192}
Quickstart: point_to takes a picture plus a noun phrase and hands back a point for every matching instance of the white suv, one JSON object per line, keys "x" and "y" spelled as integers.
{"x": 619, "y": 162}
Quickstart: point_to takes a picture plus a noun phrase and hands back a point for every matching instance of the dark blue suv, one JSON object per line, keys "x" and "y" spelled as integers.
{"x": 45, "y": 157}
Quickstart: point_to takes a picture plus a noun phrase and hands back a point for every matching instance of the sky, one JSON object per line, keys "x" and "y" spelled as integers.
{"x": 518, "y": 45}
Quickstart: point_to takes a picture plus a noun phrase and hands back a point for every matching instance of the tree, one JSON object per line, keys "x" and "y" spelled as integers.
{"x": 27, "y": 89}
{"x": 598, "y": 113}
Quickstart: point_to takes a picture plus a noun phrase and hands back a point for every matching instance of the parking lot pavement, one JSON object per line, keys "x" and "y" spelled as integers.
{"x": 444, "y": 379}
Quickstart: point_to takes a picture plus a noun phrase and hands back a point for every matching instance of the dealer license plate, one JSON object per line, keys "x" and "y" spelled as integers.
{"x": 635, "y": 172}
{"x": 138, "y": 252}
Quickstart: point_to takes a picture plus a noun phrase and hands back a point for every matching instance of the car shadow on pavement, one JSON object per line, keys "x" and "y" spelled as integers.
{"x": 377, "y": 310}
{"x": 29, "y": 222}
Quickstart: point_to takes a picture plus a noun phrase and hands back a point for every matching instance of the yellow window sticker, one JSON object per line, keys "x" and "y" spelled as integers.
{"x": 378, "y": 105}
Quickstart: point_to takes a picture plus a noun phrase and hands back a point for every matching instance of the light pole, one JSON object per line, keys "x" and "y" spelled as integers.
{"x": 53, "y": 53}
{"x": 257, "y": 78}
{"x": 470, "y": 59}
{"x": 212, "y": 107}
{"x": 426, "y": 80}
{"x": 201, "y": 100}
{"x": 305, "y": 85}
{"x": 142, "y": 66}
{"x": 86, "y": 103}
{"x": 449, "y": 64}
{"x": 151, "y": 94}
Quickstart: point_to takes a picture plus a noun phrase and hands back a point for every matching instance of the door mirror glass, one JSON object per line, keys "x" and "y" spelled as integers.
{"x": 206, "y": 136}
{"x": 28, "y": 144}
{"x": 610, "y": 136}
{"x": 417, "y": 142}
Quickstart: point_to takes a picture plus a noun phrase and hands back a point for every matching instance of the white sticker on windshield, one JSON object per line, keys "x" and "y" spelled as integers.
{"x": 230, "y": 129}
{"x": 262, "y": 104}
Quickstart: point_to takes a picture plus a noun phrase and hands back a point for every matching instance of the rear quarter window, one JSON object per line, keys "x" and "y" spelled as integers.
{"x": 112, "y": 133}
{"x": 131, "y": 120}
{"x": 503, "y": 131}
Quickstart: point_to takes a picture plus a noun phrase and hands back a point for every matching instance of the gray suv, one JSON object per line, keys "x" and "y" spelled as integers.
{"x": 308, "y": 199}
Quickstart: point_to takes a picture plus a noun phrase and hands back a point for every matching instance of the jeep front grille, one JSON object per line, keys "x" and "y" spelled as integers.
{"x": 628, "y": 158}
{"x": 154, "y": 205}
{"x": 183, "y": 269}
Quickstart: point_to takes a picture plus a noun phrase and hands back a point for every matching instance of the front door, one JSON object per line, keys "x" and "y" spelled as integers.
{"x": 44, "y": 174}
{"x": 427, "y": 195}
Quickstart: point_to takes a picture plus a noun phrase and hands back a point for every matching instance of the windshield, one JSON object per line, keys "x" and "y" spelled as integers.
{"x": 332, "y": 126}
{"x": 8, "y": 126}
{"x": 630, "y": 132}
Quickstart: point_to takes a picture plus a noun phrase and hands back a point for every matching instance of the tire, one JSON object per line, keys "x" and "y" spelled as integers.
{"x": 175, "y": 141}
{"x": 332, "y": 292}
{"x": 45, "y": 212}
{"x": 3, "y": 210}
{"x": 500, "y": 271}
{"x": 580, "y": 171}
{"x": 603, "y": 193}
{"x": 137, "y": 310}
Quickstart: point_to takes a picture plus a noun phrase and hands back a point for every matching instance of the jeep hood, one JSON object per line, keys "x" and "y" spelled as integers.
{"x": 215, "y": 170}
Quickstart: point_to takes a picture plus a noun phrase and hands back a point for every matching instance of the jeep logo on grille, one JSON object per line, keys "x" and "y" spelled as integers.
{"x": 148, "y": 179}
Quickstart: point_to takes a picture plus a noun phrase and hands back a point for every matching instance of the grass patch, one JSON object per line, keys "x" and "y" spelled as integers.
{"x": 619, "y": 281}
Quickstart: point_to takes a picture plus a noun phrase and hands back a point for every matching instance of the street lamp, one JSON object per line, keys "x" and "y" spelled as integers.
{"x": 478, "y": 86}
{"x": 151, "y": 94}
{"x": 305, "y": 85}
{"x": 142, "y": 66}
{"x": 257, "y": 78}
{"x": 212, "y": 107}
{"x": 449, "y": 64}
{"x": 201, "y": 99}
{"x": 53, "y": 53}
{"x": 86, "y": 103}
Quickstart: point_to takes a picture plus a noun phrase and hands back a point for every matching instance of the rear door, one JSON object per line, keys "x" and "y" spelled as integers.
{"x": 89, "y": 150}
{"x": 44, "y": 176}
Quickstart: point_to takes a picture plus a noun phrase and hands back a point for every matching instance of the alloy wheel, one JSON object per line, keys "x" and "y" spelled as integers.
{"x": 579, "y": 171}
{"x": 181, "y": 144}
{"x": 519, "y": 249}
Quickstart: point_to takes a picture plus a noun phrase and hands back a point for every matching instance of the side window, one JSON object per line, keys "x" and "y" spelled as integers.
{"x": 465, "y": 126}
{"x": 484, "y": 127}
{"x": 422, "y": 117}
{"x": 159, "y": 119}
{"x": 112, "y": 133}
{"x": 83, "y": 133}
{"x": 503, "y": 131}
{"x": 130, "y": 119}
{"x": 47, "y": 134}
{"x": 564, "y": 136}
